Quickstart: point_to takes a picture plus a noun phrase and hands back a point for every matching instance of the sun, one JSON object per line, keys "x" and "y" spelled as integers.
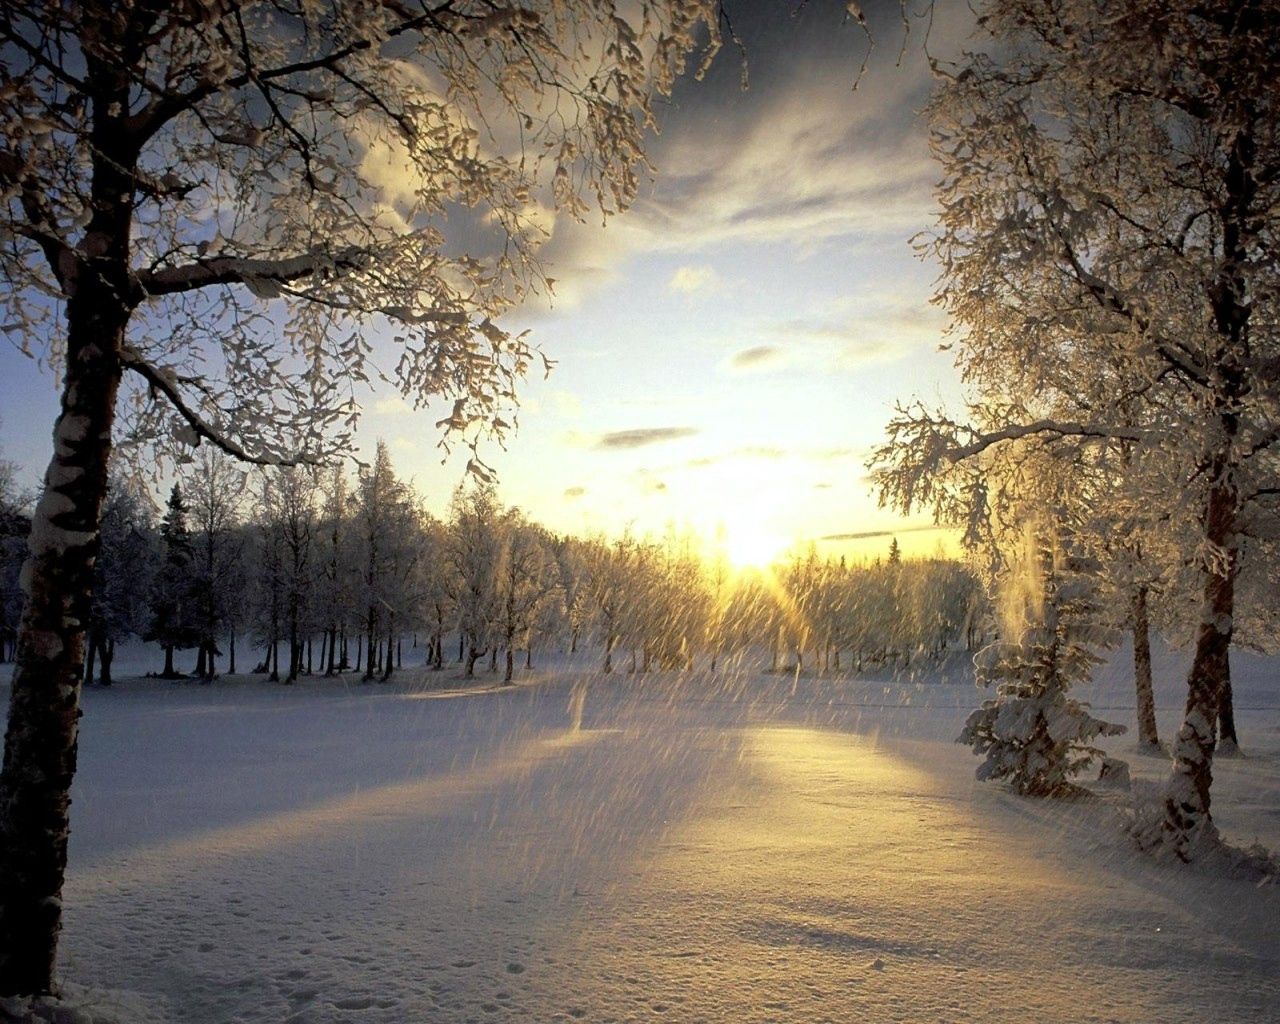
{"x": 751, "y": 545}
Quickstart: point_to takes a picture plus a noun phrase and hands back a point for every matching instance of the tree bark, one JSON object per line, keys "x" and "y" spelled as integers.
{"x": 90, "y": 648}
{"x": 1228, "y": 741}
{"x": 1148, "y": 737}
{"x": 44, "y": 701}
{"x": 1187, "y": 818}
{"x": 391, "y": 650}
{"x": 371, "y": 652}
{"x": 107, "y": 653}
{"x": 511, "y": 665}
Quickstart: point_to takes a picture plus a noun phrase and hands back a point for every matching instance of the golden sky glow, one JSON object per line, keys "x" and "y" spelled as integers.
{"x": 729, "y": 350}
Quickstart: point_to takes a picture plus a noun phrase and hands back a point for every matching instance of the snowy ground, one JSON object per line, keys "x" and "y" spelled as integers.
{"x": 690, "y": 851}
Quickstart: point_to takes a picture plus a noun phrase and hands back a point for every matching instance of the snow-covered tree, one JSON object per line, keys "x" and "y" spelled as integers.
{"x": 387, "y": 523}
{"x": 292, "y": 522}
{"x": 1032, "y": 733}
{"x": 402, "y": 584}
{"x": 608, "y": 568}
{"x": 127, "y": 556}
{"x": 335, "y": 569}
{"x": 1107, "y": 242}
{"x": 525, "y": 579}
{"x": 474, "y": 552}
{"x": 214, "y": 486}
{"x": 571, "y": 565}
{"x": 267, "y": 578}
{"x": 435, "y": 592}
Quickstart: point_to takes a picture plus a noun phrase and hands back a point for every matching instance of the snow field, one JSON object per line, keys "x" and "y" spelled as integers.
{"x": 752, "y": 849}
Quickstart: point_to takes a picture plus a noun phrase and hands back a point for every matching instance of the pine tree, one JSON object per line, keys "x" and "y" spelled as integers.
{"x": 1031, "y": 732}
{"x": 173, "y": 622}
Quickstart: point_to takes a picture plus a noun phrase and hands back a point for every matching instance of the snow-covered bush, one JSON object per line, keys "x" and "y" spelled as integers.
{"x": 1031, "y": 732}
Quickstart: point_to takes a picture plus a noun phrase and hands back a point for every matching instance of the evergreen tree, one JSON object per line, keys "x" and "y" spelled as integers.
{"x": 173, "y": 605}
{"x": 1032, "y": 733}
{"x": 122, "y": 583}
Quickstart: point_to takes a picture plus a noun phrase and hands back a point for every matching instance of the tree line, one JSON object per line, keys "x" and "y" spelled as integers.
{"x": 295, "y": 571}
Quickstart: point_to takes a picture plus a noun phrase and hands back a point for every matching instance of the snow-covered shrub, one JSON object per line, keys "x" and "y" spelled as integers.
{"x": 1031, "y": 733}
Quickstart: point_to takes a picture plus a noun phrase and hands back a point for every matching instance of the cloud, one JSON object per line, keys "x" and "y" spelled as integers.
{"x": 746, "y": 452}
{"x": 853, "y": 332}
{"x": 641, "y": 437}
{"x": 871, "y": 534}
{"x": 758, "y": 357}
{"x": 574, "y": 492}
{"x": 688, "y": 280}
{"x": 799, "y": 161}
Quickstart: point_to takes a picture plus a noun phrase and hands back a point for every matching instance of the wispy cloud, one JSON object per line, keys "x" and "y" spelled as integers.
{"x": 872, "y": 534}
{"x": 798, "y": 162}
{"x": 758, "y": 357}
{"x": 746, "y": 452}
{"x": 622, "y": 440}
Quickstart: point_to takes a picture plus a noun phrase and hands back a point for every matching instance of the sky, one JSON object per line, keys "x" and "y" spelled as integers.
{"x": 729, "y": 350}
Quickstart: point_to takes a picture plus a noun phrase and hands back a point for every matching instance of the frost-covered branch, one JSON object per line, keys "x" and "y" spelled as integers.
{"x": 263, "y": 277}
{"x": 1053, "y": 428}
{"x": 168, "y": 384}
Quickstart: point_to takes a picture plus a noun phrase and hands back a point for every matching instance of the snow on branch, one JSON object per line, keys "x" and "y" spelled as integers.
{"x": 1055, "y": 428}
{"x": 918, "y": 463}
{"x": 167, "y": 383}
{"x": 262, "y": 277}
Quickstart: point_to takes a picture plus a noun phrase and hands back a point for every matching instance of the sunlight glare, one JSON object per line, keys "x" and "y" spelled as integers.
{"x": 752, "y": 545}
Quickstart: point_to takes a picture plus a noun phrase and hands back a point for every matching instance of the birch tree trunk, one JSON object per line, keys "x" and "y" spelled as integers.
{"x": 44, "y": 702}
{"x": 1228, "y": 741}
{"x": 1148, "y": 736}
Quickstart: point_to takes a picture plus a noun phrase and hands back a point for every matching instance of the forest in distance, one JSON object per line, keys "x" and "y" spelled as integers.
{"x": 318, "y": 572}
